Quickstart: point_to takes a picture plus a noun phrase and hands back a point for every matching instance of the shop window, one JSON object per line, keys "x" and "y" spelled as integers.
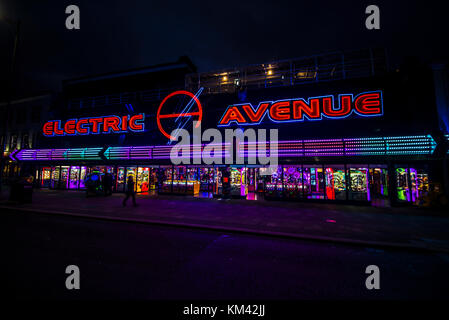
{"x": 335, "y": 182}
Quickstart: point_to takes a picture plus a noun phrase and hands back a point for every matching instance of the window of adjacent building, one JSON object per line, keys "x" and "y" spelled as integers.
{"x": 13, "y": 142}
{"x": 25, "y": 141}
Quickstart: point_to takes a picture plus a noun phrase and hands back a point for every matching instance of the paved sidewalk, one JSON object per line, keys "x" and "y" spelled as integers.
{"x": 391, "y": 227}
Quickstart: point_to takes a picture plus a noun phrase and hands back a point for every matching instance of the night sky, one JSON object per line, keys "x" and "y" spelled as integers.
{"x": 117, "y": 35}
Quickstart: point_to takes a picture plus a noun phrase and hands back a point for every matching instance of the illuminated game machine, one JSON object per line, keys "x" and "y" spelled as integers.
{"x": 359, "y": 190}
{"x": 238, "y": 182}
{"x": 64, "y": 182}
{"x": 206, "y": 179}
{"x": 54, "y": 178}
{"x": 46, "y": 177}
{"x": 378, "y": 183}
{"x": 313, "y": 180}
{"x": 179, "y": 180}
{"x": 193, "y": 186}
{"x": 335, "y": 184}
{"x": 83, "y": 174}
{"x": 120, "y": 180}
{"x": 218, "y": 186}
{"x": 422, "y": 182}
{"x": 167, "y": 180}
{"x": 143, "y": 179}
{"x": 273, "y": 188}
{"x": 292, "y": 182}
{"x": 402, "y": 184}
{"x": 74, "y": 177}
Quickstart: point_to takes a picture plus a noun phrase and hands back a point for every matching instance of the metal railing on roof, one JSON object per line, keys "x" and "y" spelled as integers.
{"x": 317, "y": 68}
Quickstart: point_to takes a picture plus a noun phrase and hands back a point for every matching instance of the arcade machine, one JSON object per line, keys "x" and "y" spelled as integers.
{"x": 179, "y": 180}
{"x": 120, "y": 180}
{"x": 335, "y": 184}
{"x": 402, "y": 184}
{"x": 218, "y": 181}
{"x": 167, "y": 179}
{"x": 292, "y": 182}
{"x": 193, "y": 186}
{"x": 143, "y": 176}
{"x": 64, "y": 182}
{"x": 238, "y": 182}
{"x": 83, "y": 174}
{"x": 378, "y": 183}
{"x": 206, "y": 179}
{"x": 45, "y": 177}
{"x": 422, "y": 182}
{"x": 54, "y": 178}
{"x": 359, "y": 184}
{"x": 313, "y": 180}
{"x": 251, "y": 179}
{"x": 132, "y": 171}
{"x": 74, "y": 177}
{"x": 273, "y": 188}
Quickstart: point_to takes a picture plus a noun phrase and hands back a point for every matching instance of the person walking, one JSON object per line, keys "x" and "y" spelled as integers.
{"x": 130, "y": 191}
{"x": 104, "y": 183}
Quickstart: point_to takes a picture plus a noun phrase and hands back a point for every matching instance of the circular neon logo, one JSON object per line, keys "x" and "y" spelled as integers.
{"x": 185, "y": 113}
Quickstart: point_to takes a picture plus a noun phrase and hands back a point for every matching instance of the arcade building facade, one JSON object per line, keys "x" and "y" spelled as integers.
{"x": 349, "y": 130}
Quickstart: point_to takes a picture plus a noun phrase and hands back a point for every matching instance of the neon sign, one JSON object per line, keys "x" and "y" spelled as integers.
{"x": 366, "y": 104}
{"x": 185, "y": 113}
{"x": 95, "y": 125}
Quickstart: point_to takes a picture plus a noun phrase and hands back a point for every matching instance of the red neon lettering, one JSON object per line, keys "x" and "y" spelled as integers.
{"x": 111, "y": 122}
{"x": 312, "y": 109}
{"x": 136, "y": 126}
{"x": 48, "y": 128}
{"x": 364, "y": 103}
{"x": 79, "y": 126}
{"x": 124, "y": 123}
{"x": 57, "y": 129}
{"x": 69, "y": 127}
{"x": 345, "y": 106}
{"x": 95, "y": 124}
{"x": 280, "y": 111}
{"x": 232, "y": 114}
{"x": 255, "y": 117}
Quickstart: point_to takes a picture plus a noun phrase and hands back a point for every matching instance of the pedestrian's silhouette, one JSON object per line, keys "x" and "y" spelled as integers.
{"x": 109, "y": 182}
{"x": 130, "y": 192}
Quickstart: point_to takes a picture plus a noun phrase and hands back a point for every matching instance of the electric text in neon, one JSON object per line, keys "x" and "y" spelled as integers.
{"x": 95, "y": 125}
{"x": 366, "y": 104}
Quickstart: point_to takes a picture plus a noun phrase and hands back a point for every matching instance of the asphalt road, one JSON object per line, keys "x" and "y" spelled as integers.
{"x": 136, "y": 261}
